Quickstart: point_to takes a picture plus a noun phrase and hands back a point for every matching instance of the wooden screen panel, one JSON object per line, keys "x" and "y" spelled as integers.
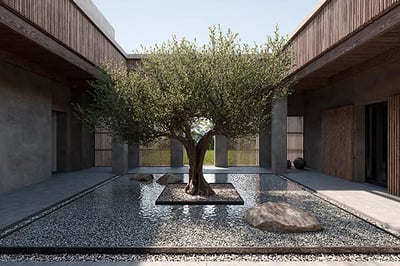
{"x": 394, "y": 145}
{"x": 337, "y": 141}
{"x": 103, "y": 148}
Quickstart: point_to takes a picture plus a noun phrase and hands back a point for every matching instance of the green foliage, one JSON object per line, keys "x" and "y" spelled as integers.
{"x": 178, "y": 84}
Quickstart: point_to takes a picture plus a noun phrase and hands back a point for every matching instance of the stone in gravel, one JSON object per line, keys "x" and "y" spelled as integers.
{"x": 281, "y": 217}
{"x": 168, "y": 178}
{"x": 142, "y": 177}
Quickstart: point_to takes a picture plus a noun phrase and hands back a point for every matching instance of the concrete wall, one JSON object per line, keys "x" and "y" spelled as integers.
{"x": 26, "y": 104}
{"x": 25, "y": 123}
{"x": 366, "y": 87}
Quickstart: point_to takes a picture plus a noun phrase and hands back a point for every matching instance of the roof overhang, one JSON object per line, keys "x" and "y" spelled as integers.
{"x": 25, "y": 45}
{"x": 376, "y": 42}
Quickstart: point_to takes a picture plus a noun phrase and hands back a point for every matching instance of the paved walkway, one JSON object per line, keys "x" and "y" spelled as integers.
{"x": 22, "y": 203}
{"x": 368, "y": 200}
{"x": 242, "y": 263}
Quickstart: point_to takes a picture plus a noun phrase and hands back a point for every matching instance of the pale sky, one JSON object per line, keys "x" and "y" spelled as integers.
{"x": 149, "y": 22}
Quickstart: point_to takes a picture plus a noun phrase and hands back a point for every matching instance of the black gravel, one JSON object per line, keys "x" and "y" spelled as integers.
{"x": 123, "y": 214}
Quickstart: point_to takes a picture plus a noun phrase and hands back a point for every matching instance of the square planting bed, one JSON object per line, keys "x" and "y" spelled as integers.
{"x": 225, "y": 194}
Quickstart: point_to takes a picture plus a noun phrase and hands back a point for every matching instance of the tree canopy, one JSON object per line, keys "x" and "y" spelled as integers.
{"x": 178, "y": 84}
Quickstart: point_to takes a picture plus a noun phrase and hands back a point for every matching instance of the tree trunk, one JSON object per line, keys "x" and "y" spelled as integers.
{"x": 197, "y": 184}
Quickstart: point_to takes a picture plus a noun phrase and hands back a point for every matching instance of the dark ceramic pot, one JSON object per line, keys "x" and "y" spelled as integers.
{"x": 299, "y": 163}
{"x": 289, "y": 164}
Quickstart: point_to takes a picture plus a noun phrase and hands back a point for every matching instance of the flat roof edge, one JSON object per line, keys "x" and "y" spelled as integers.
{"x": 97, "y": 18}
{"x": 319, "y": 6}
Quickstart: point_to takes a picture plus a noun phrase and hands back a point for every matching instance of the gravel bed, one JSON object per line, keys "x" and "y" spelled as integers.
{"x": 225, "y": 193}
{"x": 51, "y": 209}
{"x": 193, "y": 258}
{"x": 123, "y": 213}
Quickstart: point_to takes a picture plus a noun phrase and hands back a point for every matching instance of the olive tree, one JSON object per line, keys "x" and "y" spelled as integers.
{"x": 179, "y": 84}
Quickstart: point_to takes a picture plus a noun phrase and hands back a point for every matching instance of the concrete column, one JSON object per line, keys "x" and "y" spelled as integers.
{"x": 176, "y": 153}
{"x": 133, "y": 155}
{"x": 279, "y": 137}
{"x": 264, "y": 149}
{"x": 120, "y": 158}
{"x": 221, "y": 151}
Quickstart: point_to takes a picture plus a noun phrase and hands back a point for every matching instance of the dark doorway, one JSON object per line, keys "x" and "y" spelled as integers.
{"x": 376, "y": 117}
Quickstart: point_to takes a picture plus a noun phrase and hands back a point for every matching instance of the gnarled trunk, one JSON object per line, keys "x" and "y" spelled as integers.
{"x": 197, "y": 185}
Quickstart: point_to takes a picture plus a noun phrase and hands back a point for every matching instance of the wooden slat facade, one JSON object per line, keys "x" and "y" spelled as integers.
{"x": 103, "y": 148}
{"x": 63, "y": 20}
{"x": 335, "y": 21}
{"x": 394, "y": 145}
{"x": 338, "y": 141}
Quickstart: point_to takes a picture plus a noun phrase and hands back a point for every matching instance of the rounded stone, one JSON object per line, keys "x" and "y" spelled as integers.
{"x": 142, "y": 177}
{"x": 281, "y": 217}
{"x": 168, "y": 178}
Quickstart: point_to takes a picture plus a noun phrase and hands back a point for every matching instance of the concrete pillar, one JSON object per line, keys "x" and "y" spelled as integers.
{"x": 264, "y": 149}
{"x": 133, "y": 155}
{"x": 221, "y": 151}
{"x": 279, "y": 137}
{"x": 120, "y": 158}
{"x": 176, "y": 153}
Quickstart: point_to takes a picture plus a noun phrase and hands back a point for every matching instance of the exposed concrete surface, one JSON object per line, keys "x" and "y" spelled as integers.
{"x": 27, "y": 103}
{"x": 373, "y": 85}
{"x": 264, "y": 149}
{"x": 24, "y": 202}
{"x": 279, "y": 137}
{"x": 221, "y": 151}
{"x": 120, "y": 158}
{"x": 25, "y": 127}
{"x": 176, "y": 153}
{"x": 133, "y": 155}
{"x": 368, "y": 200}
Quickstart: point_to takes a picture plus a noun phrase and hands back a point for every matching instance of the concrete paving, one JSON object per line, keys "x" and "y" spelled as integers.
{"x": 205, "y": 263}
{"x": 24, "y": 202}
{"x": 370, "y": 201}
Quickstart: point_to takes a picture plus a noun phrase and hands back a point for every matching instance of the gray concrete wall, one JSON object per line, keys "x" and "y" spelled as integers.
{"x": 25, "y": 123}
{"x": 27, "y": 101}
{"x": 221, "y": 151}
{"x": 279, "y": 136}
{"x": 366, "y": 87}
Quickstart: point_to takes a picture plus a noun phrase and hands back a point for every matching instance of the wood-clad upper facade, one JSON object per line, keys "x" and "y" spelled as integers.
{"x": 340, "y": 34}
{"x": 68, "y": 24}
{"x": 334, "y": 22}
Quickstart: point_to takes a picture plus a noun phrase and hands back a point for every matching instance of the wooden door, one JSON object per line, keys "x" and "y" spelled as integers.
{"x": 338, "y": 141}
{"x": 394, "y": 145}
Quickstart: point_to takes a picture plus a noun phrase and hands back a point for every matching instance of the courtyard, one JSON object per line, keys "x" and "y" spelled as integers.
{"x": 119, "y": 216}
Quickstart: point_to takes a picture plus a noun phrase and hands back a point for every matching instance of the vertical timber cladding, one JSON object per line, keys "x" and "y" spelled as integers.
{"x": 394, "y": 145}
{"x": 103, "y": 148}
{"x": 338, "y": 141}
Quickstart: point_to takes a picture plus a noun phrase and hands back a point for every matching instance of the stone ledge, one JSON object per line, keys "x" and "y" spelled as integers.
{"x": 174, "y": 194}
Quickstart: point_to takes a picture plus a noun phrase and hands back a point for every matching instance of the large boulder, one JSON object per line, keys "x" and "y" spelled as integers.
{"x": 281, "y": 217}
{"x": 142, "y": 177}
{"x": 168, "y": 178}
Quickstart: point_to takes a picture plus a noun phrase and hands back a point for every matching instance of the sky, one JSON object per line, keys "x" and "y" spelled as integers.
{"x": 150, "y": 22}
